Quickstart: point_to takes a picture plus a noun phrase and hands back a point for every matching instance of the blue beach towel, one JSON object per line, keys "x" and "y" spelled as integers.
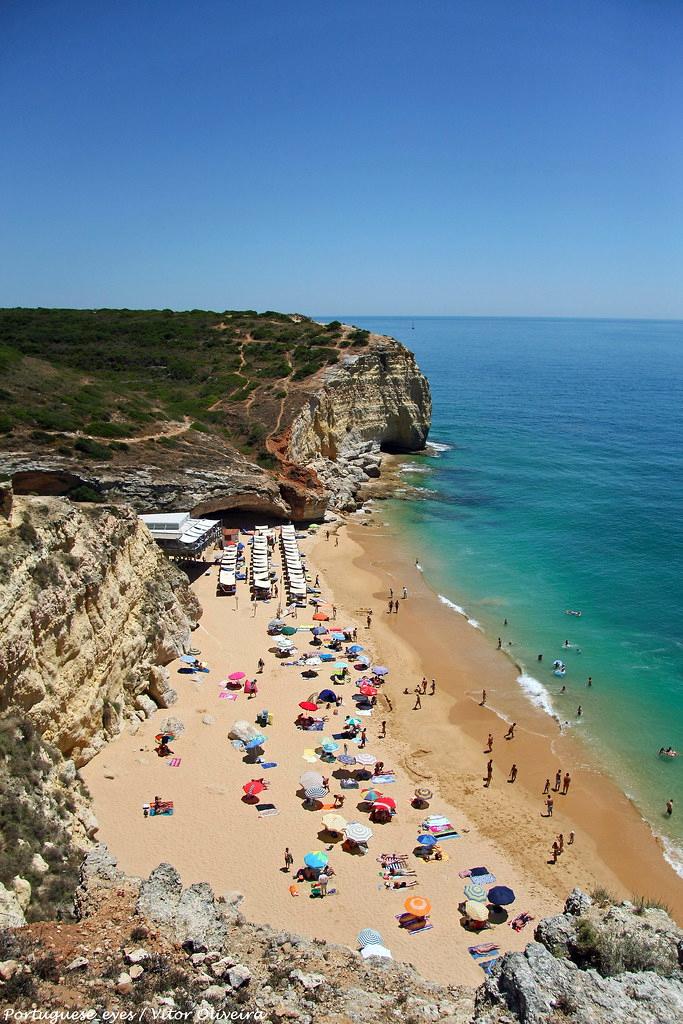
{"x": 268, "y": 764}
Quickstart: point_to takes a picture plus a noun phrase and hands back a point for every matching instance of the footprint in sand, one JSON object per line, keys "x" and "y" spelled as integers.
{"x": 218, "y": 790}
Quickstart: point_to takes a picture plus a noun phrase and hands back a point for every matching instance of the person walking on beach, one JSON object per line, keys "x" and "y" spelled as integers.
{"x": 405, "y": 593}
{"x": 424, "y": 685}
{"x": 546, "y": 788}
{"x": 489, "y": 772}
{"x": 549, "y": 803}
{"x": 261, "y": 665}
{"x": 391, "y": 607}
{"x": 317, "y": 581}
{"x": 289, "y": 860}
{"x": 433, "y": 689}
{"x": 556, "y": 852}
{"x": 566, "y": 782}
{"x": 510, "y": 734}
{"x": 363, "y": 738}
{"x": 560, "y": 842}
{"x": 336, "y": 540}
{"x": 483, "y": 698}
{"x": 558, "y": 781}
{"x": 489, "y": 744}
{"x": 396, "y": 604}
{"x": 513, "y": 773}
{"x": 570, "y": 841}
{"x": 391, "y": 592}
{"x": 383, "y": 733}
{"x": 323, "y": 879}
{"x": 368, "y": 621}
{"x": 669, "y": 808}
{"x": 417, "y": 706}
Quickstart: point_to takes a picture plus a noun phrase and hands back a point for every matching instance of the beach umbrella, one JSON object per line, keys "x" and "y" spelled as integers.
{"x": 355, "y": 649}
{"x": 338, "y": 636}
{"x": 257, "y": 741}
{"x": 235, "y": 676}
{"x": 346, "y": 759}
{"x": 418, "y": 905}
{"x": 165, "y": 737}
{"x": 311, "y": 779}
{"x": 308, "y": 705}
{"x": 500, "y": 896}
{"x": 367, "y": 690}
{"x": 289, "y": 630}
{"x": 366, "y": 758}
{"x": 352, "y": 721}
{"x": 319, "y": 630}
{"x": 330, "y": 746}
{"x": 477, "y": 893}
{"x": 371, "y": 795}
{"x": 244, "y": 731}
{"x": 357, "y": 833}
{"x": 386, "y": 802}
{"x": 341, "y": 664}
{"x": 275, "y": 624}
{"x": 327, "y": 696}
{"x": 189, "y": 659}
{"x": 362, "y": 662}
{"x": 254, "y": 787}
{"x": 427, "y": 841}
{"x": 334, "y": 822}
{"x": 316, "y": 859}
{"x": 422, "y": 793}
{"x": 379, "y": 670}
{"x": 313, "y": 660}
{"x": 368, "y": 937}
{"x": 327, "y": 657}
{"x": 315, "y": 793}
{"x": 320, "y": 617}
{"x": 476, "y": 911}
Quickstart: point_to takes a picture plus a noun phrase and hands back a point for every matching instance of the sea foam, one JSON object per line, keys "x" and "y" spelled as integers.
{"x": 460, "y": 610}
{"x": 537, "y": 693}
{"x": 673, "y": 855}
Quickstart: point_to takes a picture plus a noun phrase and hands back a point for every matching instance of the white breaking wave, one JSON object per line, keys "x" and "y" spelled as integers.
{"x": 412, "y": 467}
{"x": 673, "y": 855}
{"x": 434, "y": 449}
{"x": 537, "y": 693}
{"x": 460, "y": 610}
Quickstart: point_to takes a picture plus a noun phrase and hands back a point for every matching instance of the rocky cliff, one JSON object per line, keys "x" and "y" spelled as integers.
{"x": 90, "y": 612}
{"x": 142, "y": 946}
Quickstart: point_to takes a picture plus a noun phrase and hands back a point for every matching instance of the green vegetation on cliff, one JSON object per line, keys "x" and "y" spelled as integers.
{"x": 117, "y": 374}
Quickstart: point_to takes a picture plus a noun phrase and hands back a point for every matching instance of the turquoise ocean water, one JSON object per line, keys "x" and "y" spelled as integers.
{"x": 554, "y": 481}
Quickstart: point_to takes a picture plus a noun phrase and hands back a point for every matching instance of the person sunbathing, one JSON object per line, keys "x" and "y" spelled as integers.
{"x": 163, "y": 750}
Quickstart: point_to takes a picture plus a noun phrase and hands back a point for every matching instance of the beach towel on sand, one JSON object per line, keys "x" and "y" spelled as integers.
{"x": 382, "y": 780}
{"x": 174, "y": 762}
{"x": 267, "y": 764}
{"x": 481, "y": 875}
{"x": 224, "y": 695}
{"x": 266, "y": 810}
{"x": 413, "y": 925}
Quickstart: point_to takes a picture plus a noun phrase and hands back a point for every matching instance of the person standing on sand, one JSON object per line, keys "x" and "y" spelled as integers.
{"x": 355, "y": 632}
{"x": 513, "y": 773}
{"x": 566, "y": 782}
{"x": 417, "y": 706}
{"x": 433, "y": 689}
{"x": 669, "y": 808}
{"x": 489, "y": 744}
{"x": 556, "y": 852}
{"x": 483, "y": 698}
{"x": 261, "y": 665}
{"x": 558, "y": 780}
{"x": 363, "y": 738}
{"x": 390, "y": 608}
{"x": 368, "y": 621}
{"x": 500, "y": 643}
{"x": 424, "y": 685}
{"x": 334, "y": 611}
{"x": 383, "y": 733}
{"x": 510, "y": 734}
{"x": 549, "y": 803}
{"x": 327, "y": 534}
{"x": 396, "y": 604}
{"x": 289, "y": 860}
{"x": 570, "y": 841}
{"x": 546, "y": 788}
{"x": 336, "y": 540}
{"x": 391, "y": 592}
{"x": 323, "y": 879}
{"x": 405, "y": 593}
{"x": 560, "y": 842}
{"x": 489, "y": 772}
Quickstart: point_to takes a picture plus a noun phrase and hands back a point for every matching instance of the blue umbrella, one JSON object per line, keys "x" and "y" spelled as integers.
{"x": 318, "y": 630}
{"x": 327, "y": 696}
{"x": 427, "y": 841}
{"x": 189, "y": 659}
{"x": 327, "y": 657}
{"x": 316, "y": 859}
{"x": 379, "y": 670}
{"x": 369, "y": 937}
{"x": 346, "y": 759}
{"x": 500, "y": 895}
{"x": 257, "y": 741}
{"x": 356, "y": 649}
{"x": 338, "y": 636}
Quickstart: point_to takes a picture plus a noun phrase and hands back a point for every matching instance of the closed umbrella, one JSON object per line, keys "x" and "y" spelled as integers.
{"x": 368, "y": 937}
{"x": 316, "y": 859}
{"x": 311, "y": 779}
{"x": 475, "y": 892}
{"x": 357, "y": 832}
{"x": 334, "y": 822}
{"x": 476, "y": 911}
{"x": 501, "y": 896}
{"x": 308, "y": 705}
{"x": 379, "y": 670}
{"x": 418, "y": 905}
{"x": 315, "y": 793}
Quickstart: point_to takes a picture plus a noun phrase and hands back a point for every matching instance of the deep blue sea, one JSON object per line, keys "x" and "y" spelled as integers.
{"x": 555, "y": 482}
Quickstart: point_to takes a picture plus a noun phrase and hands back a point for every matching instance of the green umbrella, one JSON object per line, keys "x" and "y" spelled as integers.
{"x": 288, "y": 630}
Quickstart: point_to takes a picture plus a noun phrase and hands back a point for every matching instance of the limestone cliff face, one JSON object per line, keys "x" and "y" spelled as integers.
{"x": 369, "y": 403}
{"x": 90, "y": 612}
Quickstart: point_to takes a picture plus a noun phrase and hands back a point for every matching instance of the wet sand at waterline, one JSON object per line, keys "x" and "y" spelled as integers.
{"x": 214, "y": 836}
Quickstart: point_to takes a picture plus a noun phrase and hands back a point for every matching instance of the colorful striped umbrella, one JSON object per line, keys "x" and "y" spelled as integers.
{"x": 477, "y": 893}
{"x": 316, "y": 859}
{"x": 386, "y": 802}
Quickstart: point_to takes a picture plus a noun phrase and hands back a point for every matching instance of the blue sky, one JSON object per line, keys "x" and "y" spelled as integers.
{"x": 367, "y": 156}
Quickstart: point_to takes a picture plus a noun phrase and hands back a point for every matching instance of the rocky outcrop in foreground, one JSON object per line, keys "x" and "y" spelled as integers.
{"x": 152, "y": 945}
{"x": 91, "y": 611}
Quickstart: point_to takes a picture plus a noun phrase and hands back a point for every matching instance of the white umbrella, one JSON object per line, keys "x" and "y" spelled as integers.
{"x": 357, "y": 832}
{"x": 244, "y": 731}
{"x": 366, "y": 758}
{"x": 311, "y": 779}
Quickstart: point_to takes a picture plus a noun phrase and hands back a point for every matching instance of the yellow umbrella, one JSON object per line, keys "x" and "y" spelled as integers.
{"x": 334, "y": 822}
{"x": 476, "y": 911}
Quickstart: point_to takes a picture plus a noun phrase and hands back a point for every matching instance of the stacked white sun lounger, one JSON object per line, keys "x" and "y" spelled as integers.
{"x": 294, "y": 571}
{"x": 260, "y": 565}
{"x": 227, "y": 571}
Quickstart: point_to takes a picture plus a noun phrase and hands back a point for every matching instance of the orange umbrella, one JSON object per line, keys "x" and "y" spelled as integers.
{"x": 418, "y": 905}
{"x": 321, "y": 617}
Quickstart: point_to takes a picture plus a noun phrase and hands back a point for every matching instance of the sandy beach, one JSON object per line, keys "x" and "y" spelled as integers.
{"x": 214, "y": 836}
